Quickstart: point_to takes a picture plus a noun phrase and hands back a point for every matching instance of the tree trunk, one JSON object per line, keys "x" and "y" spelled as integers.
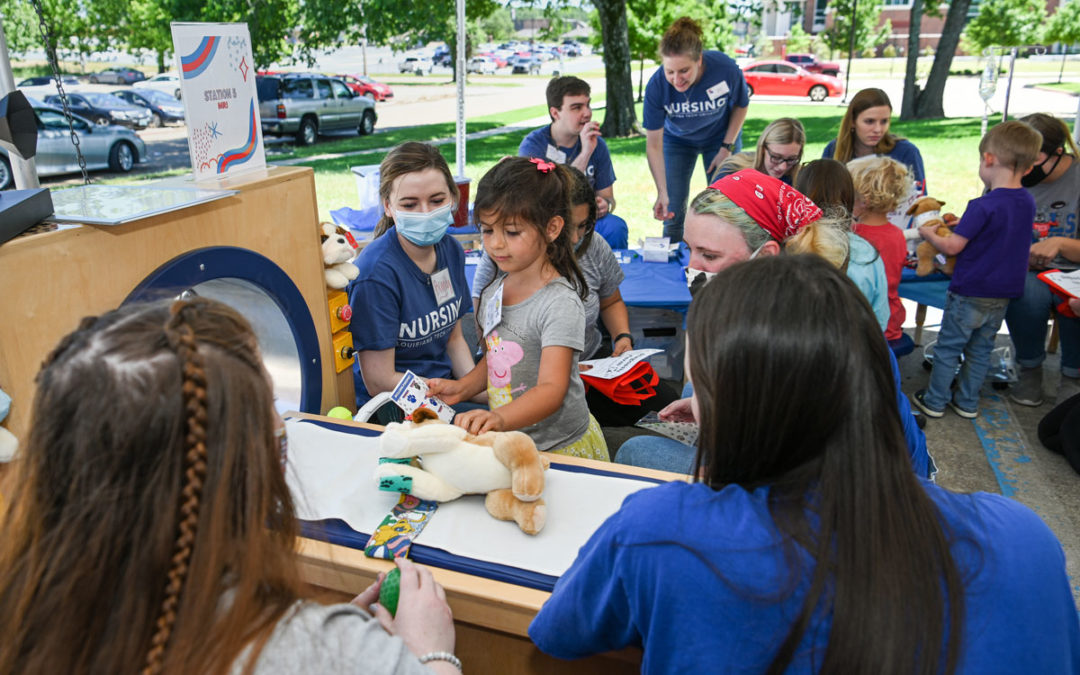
{"x": 1064, "y": 55}
{"x": 928, "y": 104}
{"x": 911, "y": 90}
{"x": 641, "y": 79}
{"x": 619, "y": 118}
{"x": 161, "y": 60}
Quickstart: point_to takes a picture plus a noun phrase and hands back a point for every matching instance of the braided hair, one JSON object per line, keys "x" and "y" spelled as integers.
{"x": 150, "y": 527}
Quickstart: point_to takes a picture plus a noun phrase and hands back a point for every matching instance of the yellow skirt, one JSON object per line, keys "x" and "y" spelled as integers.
{"x": 591, "y": 445}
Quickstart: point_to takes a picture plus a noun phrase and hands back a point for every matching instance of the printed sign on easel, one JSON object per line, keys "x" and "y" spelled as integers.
{"x": 217, "y": 79}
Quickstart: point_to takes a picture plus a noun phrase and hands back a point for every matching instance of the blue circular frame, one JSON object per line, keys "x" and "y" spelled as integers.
{"x": 230, "y": 262}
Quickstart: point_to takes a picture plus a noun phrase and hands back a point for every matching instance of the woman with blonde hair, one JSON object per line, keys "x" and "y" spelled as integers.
{"x": 743, "y": 217}
{"x": 778, "y": 154}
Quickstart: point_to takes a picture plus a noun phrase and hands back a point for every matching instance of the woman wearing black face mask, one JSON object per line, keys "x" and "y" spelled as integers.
{"x": 1054, "y": 182}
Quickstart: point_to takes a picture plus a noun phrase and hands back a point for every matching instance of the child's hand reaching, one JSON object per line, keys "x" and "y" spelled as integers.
{"x": 478, "y": 421}
{"x": 678, "y": 411}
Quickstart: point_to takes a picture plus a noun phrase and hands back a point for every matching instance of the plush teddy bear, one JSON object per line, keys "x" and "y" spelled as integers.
{"x": 506, "y": 466}
{"x": 927, "y": 211}
{"x": 338, "y": 250}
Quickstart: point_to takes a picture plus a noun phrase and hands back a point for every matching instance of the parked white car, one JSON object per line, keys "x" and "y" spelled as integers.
{"x": 483, "y": 65}
{"x": 415, "y": 64}
{"x": 166, "y": 82}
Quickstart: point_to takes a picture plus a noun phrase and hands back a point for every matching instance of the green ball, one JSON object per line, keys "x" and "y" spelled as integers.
{"x": 388, "y": 593}
{"x": 340, "y": 412}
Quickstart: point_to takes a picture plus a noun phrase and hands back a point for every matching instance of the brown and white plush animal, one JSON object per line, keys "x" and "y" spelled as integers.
{"x": 338, "y": 249}
{"x": 927, "y": 211}
{"x": 505, "y": 466}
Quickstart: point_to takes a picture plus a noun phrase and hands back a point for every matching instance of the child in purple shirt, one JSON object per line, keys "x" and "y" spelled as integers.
{"x": 991, "y": 245}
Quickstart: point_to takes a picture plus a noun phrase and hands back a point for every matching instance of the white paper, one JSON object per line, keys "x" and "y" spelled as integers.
{"x": 614, "y": 366}
{"x": 330, "y": 474}
{"x": 1068, "y": 281}
{"x": 217, "y": 78}
{"x": 656, "y": 249}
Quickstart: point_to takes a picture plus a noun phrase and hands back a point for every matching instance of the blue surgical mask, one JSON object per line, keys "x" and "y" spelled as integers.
{"x": 424, "y": 228}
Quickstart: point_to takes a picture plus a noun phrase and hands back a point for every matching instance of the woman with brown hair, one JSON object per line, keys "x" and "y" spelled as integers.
{"x": 411, "y": 293}
{"x": 151, "y": 528}
{"x": 695, "y": 105}
{"x": 864, "y": 131}
{"x": 804, "y": 543}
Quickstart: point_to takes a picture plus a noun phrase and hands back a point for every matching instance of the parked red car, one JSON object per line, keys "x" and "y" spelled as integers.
{"x": 779, "y": 78}
{"x": 811, "y": 63}
{"x": 365, "y": 86}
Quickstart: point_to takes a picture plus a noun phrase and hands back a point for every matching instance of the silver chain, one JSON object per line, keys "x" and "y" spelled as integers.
{"x": 50, "y": 54}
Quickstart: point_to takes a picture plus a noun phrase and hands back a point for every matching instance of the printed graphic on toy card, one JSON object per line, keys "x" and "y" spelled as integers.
{"x": 411, "y": 393}
{"x": 217, "y": 80}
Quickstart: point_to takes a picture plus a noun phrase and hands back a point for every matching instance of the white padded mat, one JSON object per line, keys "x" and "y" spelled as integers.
{"x": 331, "y": 474}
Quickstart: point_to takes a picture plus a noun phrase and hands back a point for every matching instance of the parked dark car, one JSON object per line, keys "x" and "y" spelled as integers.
{"x": 46, "y": 81}
{"x": 164, "y": 108}
{"x": 105, "y": 109}
{"x": 103, "y": 147}
{"x": 117, "y": 76}
{"x": 304, "y": 104}
{"x": 811, "y": 63}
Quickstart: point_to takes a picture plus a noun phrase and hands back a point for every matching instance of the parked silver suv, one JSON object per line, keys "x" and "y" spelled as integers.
{"x": 305, "y": 104}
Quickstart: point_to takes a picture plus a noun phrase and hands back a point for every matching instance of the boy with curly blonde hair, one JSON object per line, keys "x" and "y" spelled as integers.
{"x": 880, "y": 183}
{"x": 991, "y": 244}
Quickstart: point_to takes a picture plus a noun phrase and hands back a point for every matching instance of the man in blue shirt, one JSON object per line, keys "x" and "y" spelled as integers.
{"x": 574, "y": 138}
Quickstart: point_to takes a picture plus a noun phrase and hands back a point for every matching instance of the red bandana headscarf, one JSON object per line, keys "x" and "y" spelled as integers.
{"x": 778, "y": 208}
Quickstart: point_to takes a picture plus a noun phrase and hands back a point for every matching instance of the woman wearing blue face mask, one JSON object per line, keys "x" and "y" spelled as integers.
{"x": 411, "y": 292}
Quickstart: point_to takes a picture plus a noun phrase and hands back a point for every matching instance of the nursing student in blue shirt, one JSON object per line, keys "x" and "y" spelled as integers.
{"x": 411, "y": 292}
{"x": 695, "y": 105}
{"x": 806, "y": 544}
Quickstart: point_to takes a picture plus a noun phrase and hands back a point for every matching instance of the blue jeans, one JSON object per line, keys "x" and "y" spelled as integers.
{"x": 1027, "y": 317}
{"x": 679, "y": 159}
{"x": 614, "y": 230}
{"x": 657, "y": 452}
{"x": 968, "y": 327}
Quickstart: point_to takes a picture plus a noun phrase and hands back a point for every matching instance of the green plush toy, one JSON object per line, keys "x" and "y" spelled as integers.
{"x": 388, "y": 593}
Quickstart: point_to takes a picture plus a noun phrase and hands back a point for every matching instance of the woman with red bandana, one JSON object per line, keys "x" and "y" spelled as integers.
{"x": 737, "y": 218}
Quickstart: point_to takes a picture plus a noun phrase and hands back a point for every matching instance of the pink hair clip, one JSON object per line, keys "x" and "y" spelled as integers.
{"x": 542, "y": 166}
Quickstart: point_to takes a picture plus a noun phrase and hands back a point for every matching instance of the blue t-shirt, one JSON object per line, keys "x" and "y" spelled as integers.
{"x": 699, "y": 116}
{"x": 905, "y": 152}
{"x": 708, "y": 604}
{"x": 539, "y": 143}
{"x": 394, "y": 307}
{"x": 994, "y": 262}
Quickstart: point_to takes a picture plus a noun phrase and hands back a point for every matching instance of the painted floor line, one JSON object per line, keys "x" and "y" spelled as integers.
{"x": 1003, "y": 444}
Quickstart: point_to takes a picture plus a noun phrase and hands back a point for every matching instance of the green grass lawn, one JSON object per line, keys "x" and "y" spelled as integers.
{"x": 1071, "y": 87}
{"x": 949, "y": 148}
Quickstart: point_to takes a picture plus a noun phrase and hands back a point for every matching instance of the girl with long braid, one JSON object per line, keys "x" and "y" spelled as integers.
{"x": 151, "y": 529}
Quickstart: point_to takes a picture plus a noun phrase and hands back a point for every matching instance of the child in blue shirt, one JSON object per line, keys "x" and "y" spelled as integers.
{"x": 991, "y": 245}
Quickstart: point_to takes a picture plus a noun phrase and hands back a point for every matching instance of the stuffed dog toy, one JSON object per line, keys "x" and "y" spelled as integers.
{"x": 927, "y": 211}
{"x": 506, "y": 466}
{"x": 338, "y": 250}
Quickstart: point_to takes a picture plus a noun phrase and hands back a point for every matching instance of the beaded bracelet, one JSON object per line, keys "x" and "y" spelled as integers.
{"x": 442, "y": 656}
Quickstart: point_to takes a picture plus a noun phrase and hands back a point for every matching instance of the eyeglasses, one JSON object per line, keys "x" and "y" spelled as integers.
{"x": 780, "y": 159}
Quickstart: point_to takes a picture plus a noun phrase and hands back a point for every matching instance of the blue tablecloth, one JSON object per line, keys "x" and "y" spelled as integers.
{"x": 646, "y": 284}
{"x": 928, "y": 290}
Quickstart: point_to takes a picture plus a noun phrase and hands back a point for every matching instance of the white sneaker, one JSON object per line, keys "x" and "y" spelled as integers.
{"x": 1067, "y": 388}
{"x": 1028, "y": 391}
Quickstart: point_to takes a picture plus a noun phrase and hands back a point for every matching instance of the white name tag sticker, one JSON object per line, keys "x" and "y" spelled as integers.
{"x": 717, "y": 90}
{"x": 554, "y": 154}
{"x": 493, "y": 311}
{"x": 444, "y": 288}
